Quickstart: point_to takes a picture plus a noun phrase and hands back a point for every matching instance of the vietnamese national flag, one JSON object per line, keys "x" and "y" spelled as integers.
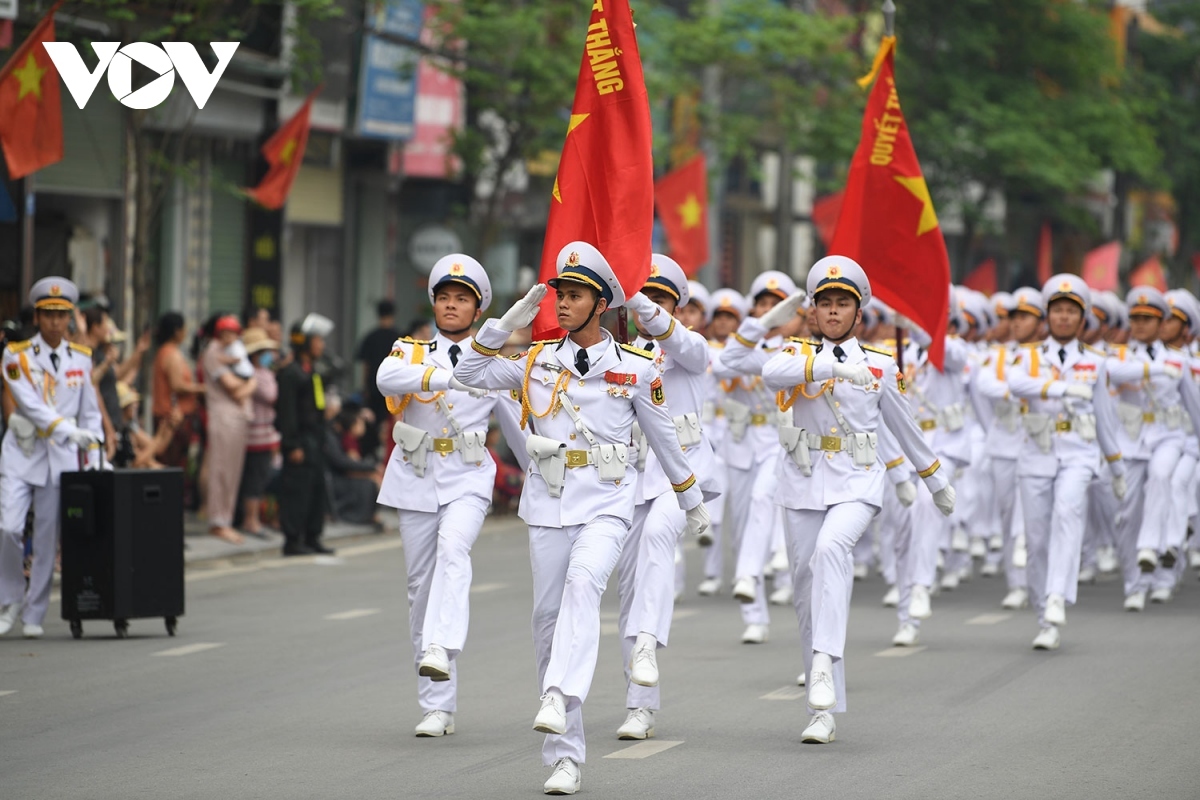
{"x": 1045, "y": 255}
{"x": 1149, "y": 273}
{"x": 604, "y": 191}
{"x": 983, "y": 278}
{"x": 284, "y": 152}
{"x": 888, "y": 223}
{"x": 1101, "y": 267}
{"x": 681, "y": 198}
{"x": 31, "y": 131}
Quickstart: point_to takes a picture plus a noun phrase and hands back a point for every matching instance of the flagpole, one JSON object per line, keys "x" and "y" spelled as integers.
{"x": 889, "y": 29}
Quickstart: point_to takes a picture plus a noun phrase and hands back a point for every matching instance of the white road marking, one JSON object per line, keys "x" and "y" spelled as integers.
{"x": 899, "y": 652}
{"x": 189, "y": 649}
{"x": 8, "y": 692}
{"x": 484, "y": 588}
{"x": 989, "y": 619}
{"x": 786, "y": 693}
{"x": 328, "y": 561}
{"x": 373, "y": 547}
{"x": 684, "y": 613}
{"x": 650, "y": 747}
{"x": 354, "y": 613}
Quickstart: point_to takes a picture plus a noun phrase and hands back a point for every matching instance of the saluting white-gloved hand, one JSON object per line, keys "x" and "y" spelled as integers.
{"x": 1172, "y": 371}
{"x": 1082, "y": 391}
{"x": 944, "y": 500}
{"x": 906, "y": 493}
{"x": 1119, "y": 486}
{"x": 645, "y": 308}
{"x": 858, "y": 374}
{"x": 783, "y": 312}
{"x": 459, "y": 386}
{"x": 697, "y": 520}
{"x": 523, "y": 311}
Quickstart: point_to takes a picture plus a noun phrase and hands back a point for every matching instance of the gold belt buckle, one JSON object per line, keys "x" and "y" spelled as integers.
{"x": 720, "y": 412}
{"x": 1147, "y": 417}
{"x": 443, "y": 445}
{"x": 577, "y": 458}
{"x": 1063, "y": 427}
{"x": 758, "y": 419}
{"x": 928, "y": 424}
{"x": 831, "y": 444}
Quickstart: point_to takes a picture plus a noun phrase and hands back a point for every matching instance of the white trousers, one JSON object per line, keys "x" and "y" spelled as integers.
{"x": 899, "y": 521}
{"x": 714, "y": 555}
{"x": 1155, "y": 532}
{"x": 752, "y": 504}
{"x": 571, "y": 567}
{"x": 1102, "y": 518}
{"x": 16, "y": 497}
{"x": 821, "y": 546}
{"x": 930, "y": 528}
{"x": 1055, "y": 516}
{"x": 437, "y": 556}
{"x": 1007, "y": 513}
{"x": 645, "y": 583}
{"x": 1129, "y": 522}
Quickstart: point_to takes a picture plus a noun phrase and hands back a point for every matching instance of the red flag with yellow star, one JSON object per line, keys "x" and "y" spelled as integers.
{"x": 31, "y": 130}
{"x": 604, "y": 191}
{"x": 888, "y": 223}
{"x": 681, "y": 198}
{"x": 284, "y": 152}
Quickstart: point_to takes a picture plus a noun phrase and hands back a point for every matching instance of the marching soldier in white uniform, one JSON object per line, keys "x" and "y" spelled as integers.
{"x": 1069, "y": 425}
{"x": 583, "y": 395}
{"x": 647, "y": 566}
{"x": 440, "y": 477}
{"x": 840, "y": 395}
{"x": 57, "y": 416}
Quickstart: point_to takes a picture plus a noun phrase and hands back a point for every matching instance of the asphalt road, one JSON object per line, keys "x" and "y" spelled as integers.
{"x": 293, "y": 679}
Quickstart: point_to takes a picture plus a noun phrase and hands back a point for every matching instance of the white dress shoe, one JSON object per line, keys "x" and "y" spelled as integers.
{"x": 996, "y": 543}
{"x": 745, "y": 589}
{"x": 566, "y": 778}
{"x": 643, "y": 667}
{"x": 1016, "y": 598}
{"x": 435, "y": 664}
{"x": 32, "y": 631}
{"x": 990, "y": 569}
{"x": 821, "y": 694}
{"x": 1056, "y": 610}
{"x": 779, "y": 562}
{"x": 1087, "y": 574}
{"x": 949, "y": 582}
{"x": 709, "y": 587}
{"x": 8, "y": 617}
{"x": 1156, "y": 596}
{"x": 907, "y": 636}
{"x": 919, "y": 606}
{"x": 1020, "y": 553}
{"x": 754, "y": 634}
{"x": 801, "y": 679}
{"x": 781, "y": 596}
{"x": 552, "y": 718}
{"x": 892, "y": 598}
{"x": 820, "y": 730}
{"x": 1147, "y": 560}
{"x": 965, "y": 574}
{"x": 861, "y": 572}
{"x": 959, "y": 541}
{"x": 1194, "y": 559}
{"x": 639, "y": 724}
{"x": 977, "y": 548}
{"x": 1106, "y": 560}
{"x": 1135, "y": 601}
{"x": 436, "y": 723}
{"x": 1047, "y": 639}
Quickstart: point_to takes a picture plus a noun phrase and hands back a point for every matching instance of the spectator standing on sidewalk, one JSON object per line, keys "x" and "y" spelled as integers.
{"x": 174, "y": 388}
{"x": 228, "y": 403}
{"x": 372, "y": 350}
{"x": 262, "y": 442}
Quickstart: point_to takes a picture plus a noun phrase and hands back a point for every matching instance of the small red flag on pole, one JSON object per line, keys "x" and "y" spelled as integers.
{"x": 284, "y": 152}
{"x": 31, "y": 130}
{"x": 681, "y": 198}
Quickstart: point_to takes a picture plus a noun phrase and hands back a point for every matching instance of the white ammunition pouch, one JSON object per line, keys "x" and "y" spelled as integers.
{"x": 1131, "y": 417}
{"x": 641, "y": 446}
{"x": 473, "y": 447}
{"x": 1038, "y": 427}
{"x": 951, "y": 418}
{"x": 24, "y": 431}
{"x": 795, "y": 443}
{"x": 738, "y": 415}
{"x": 708, "y": 412}
{"x": 687, "y": 428}
{"x": 864, "y": 447}
{"x": 1085, "y": 426}
{"x": 1006, "y": 415}
{"x": 1173, "y": 417}
{"x": 551, "y": 459}
{"x": 415, "y": 443}
{"x": 610, "y": 461}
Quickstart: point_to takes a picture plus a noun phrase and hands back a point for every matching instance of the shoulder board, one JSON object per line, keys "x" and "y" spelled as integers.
{"x": 637, "y": 351}
{"x": 17, "y": 347}
{"x": 422, "y": 342}
{"x": 1031, "y": 345}
{"x": 549, "y": 341}
{"x": 78, "y": 348}
{"x": 1095, "y": 350}
{"x": 716, "y": 345}
{"x": 881, "y": 351}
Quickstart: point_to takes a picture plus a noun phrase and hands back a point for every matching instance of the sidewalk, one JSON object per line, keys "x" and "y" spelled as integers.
{"x": 202, "y": 546}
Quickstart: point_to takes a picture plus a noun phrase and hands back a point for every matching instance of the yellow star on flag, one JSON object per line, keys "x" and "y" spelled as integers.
{"x": 30, "y": 78}
{"x": 920, "y": 191}
{"x": 576, "y": 121}
{"x": 690, "y": 212}
{"x": 288, "y": 152}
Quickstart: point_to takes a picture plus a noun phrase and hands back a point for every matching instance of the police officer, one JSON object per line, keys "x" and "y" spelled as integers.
{"x": 57, "y": 417}
{"x": 583, "y": 395}
{"x": 440, "y": 477}
{"x": 300, "y": 418}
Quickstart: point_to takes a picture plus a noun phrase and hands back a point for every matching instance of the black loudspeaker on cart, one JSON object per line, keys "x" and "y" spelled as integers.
{"x": 122, "y": 547}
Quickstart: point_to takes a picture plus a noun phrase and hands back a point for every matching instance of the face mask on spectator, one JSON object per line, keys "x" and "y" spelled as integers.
{"x": 266, "y": 360}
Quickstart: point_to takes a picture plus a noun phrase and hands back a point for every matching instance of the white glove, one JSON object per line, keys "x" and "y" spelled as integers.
{"x": 944, "y": 500}
{"x": 459, "y": 386}
{"x": 643, "y": 306}
{"x": 906, "y": 493}
{"x": 1119, "y": 486}
{"x": 83, "y": 439}
{"x": 1171, "y": 371}
{"x": 858, "y": 374}
{"x": 697, "y": 520}
{"x": 783, "y": 312}
{"x": 523, "y": 311}
{"x": 1082, "y": 391}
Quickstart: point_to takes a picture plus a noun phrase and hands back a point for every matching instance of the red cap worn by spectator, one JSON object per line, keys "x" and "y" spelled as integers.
{"x": 228, "y": 323}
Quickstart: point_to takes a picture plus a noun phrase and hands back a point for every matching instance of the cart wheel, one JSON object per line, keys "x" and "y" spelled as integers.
{"x": 121, "y": 626}
{"x": 171, "y": 622}
{"x": 76, "y": 628}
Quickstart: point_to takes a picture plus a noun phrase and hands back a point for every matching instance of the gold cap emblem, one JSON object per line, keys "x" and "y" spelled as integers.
{"x": 654, "y": 273}
{"x": 1143, "y": 300}
{"x": 834, "y": 271}
{"x": 772, "y": 283}
{"x": 726, "y": 302}
{"x": 55, "y": 290}
{"x": 1065, "y": 286}
{"x": 573, "y": 260}
{"x": 456, "y": 269}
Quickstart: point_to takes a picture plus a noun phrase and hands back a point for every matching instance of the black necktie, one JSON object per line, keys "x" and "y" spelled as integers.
{"x": 54, "y": 360}
{"x": 455, "y": 352}
{"x": 1062, "y": 355}
{"x": 1150, "y": 351}
{"x": 839, "y": 354}
{"x": 581, "y": 361}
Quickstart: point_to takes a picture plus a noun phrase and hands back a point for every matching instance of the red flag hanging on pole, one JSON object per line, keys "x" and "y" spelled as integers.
{"x": 825, "y": 214}
{"x": 1045, "y": 255}
{"x": 604, "y": 191}
{"x": 681, "y": 198}
{"x": 284, "y": 152}
{"x": 31, "y": 130}
{"x": 1100, "y": 267}
{"x": 888, "y": 223}
{"x": 983, "y": 278}
{"x": 1149, "y": 273}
